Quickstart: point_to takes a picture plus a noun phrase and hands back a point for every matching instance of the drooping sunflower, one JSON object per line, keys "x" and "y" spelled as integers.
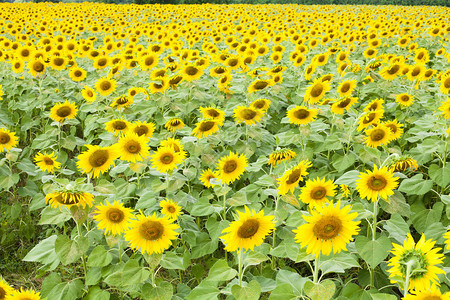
{"x": 248, "y": 231}
{"x": 206, "y": 177}
{"x": 423, "y": 260}
{"x": 67, "y": 199}
{"x": 445, "y": 107}
{"x": 160, "y": 86}
{"x": 329, "y": 228}
{"x": 262, "y": 104}
{"x": 377, "y": 183}
{"x": 395, "y": 127}
{"x": 8, "y": 139}
{"x": 97, "y": 160}
{"x": 165, "y": 159}
{"x": 403, "y": 163}
{"x": 316, "y": 191}
{"x": 433, "y": 293}
{"x": 77, "y": 74}
{"x": 213, "y": 114}
{"x": 133, "y": 147}
{"x": 231, "y": 167}
{"x": 62, "y": 111}
{"x": 316, "y": 91}
{"x": 113, "y": 218}
{"x": 205, "y": 128}
{"x": 346, "y": 88}
{"x": 292, "y": 177}
{"x": 5, "y": 290}
{"x": 47, "y": 162}
{"x": 151, "y": 234}
{"x": 88, "y": 94}
{"x": 247, "y": 115}
{"x": 25, "y": 294}
{"x": 377, "y": 136}
{"x": 404, "y": 99}
{"x": 300, "y": 115}
{"x": 143, "y": 128}
{"x": 118, "y": 127}
{"x": 259, "y": 85}
{"x": 170, "y": 209}
{"x": 340, "y": 106}
{"x": 174, "y": 124}
{"x": 281, "y": 155}
{"x": 122, "y": 101}
{"x": 105, "y": 86}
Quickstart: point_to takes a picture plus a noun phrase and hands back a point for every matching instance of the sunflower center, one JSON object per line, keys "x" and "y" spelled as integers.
{"x": 149, "y": 61}
{"x": 167, "y": 158}
{"x": 63, "y": 111}
{"x": 191, "y": 71}
{"x": 327, "y": 227}
{"x": 377, "y": 183}
{"x": 58, "y": 61}
{"x": 432, "y": 298}
{"x": 213, "y": 113}
{"x": 230, "y": 166}
{"x": 260, "y": 104}
{"x": 233, "y": 62}
{"x": 219, "y": 70}
{"x": 369, "y": 118}
{"x": 344, "y": 103}
{"x": 248, "y": 114}
{"x": 248, "y": 229}
{"x": 4, "y": 138}
{"x": 141, "y": 130}
{"x": 77, "y": 73}
{"x": 392, "y": 127}
{"x": 326, "y": 78}
{"x": 38, "y": 66}
{"x": 260, "y": 85}
{"x": 294, "y": 176}
{"x": 90, "y": 93}
{"x": 415, "y": 71}
{"x": 317, "y": 90}
{"x": 2, "y": 294}
{"x": 318, "y": 193}
{"x": 171, "y": 209}
{"x": 447, "y": 83}
{"x": 377, "y": 135}
{"x": 421, "y": 55}
{"x": 175, "y": 123}
{"x": 119, "y": 125}
{"x": 105, "y": 85}
{"x": 345, "y": 88}
{"x": 133, "y": 146}
{"x": 151, "y": 230}
{"x": 301, "y": 113}
{"x": 115, "y": 215}
{"x": 206, "y": 126}
{"x": 394, "y": 69}
{"x": 49, "y": 162}
{"x": 98, "y": 158}
{"x": 122, "y": 100}
{"x": 176, "y": 80}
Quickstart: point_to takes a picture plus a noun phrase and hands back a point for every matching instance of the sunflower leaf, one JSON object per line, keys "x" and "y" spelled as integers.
{"x": 220, "y": 271}
{"x": 373, "y": 251}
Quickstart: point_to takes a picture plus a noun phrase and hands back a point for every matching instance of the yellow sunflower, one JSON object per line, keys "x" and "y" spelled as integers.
{"x": 403, "y": 163}
{"x": 122, "y": 101}
{"x": 133, "y": 147}
{"x": 447, "y": 239}
{"x": 433, "y": 293}
{"x": 370, "y": 118}
{"x": 8, "y": 139}
{"x": 61, "y": 199}
{"x": 206, "y": 177}
{"x": 165, "y": 159}
{"x": 259, "y": 85}
{"x": 151, "y": 234}
{"x": 97, "y": 160}
{"x": 247, "y": 115}
{"x": 89, "y": 94}
{"x": 176, "y": 145}
{"x": 62, "y": 111}
{"x": 118, "y": 127}
{"x": 5, "y": 290}
{"x": 445, "y": 84}
{"x": 27, "y": 294}
{"x": 231, "y": 167}
{"x": 421, "y": 259}
{"x": 404, "y": 99}
{"x": 445, "y": 107}
{"x": 329, "y": 228}
{"x": 36, "y": 66}
{"x": 143, "y": 128}
{"x": 377, "y": 136}
{"x": 170, "y": 209}
{"x": 316, "y": 91}
{"x": 105, "y": 86}
{"x": 47, "y": 162}
{"x": 346, "y": 88}
{"x": 377, "y": 183}
{"x": 191, "y": 72}
{"x": 301, "y": 115}
{"x": 174, "y": 124}
{"x": 281, "y": 155}
{"x": 375, "y": 104}
{"x": 292, "y": 177}
{"x": 315, "y": 192}
{"x": 395, "y": 127}
{"x": 262, "y": 104}
{"x": 205, "y": 128}
{"x": 213, "y": 114}
{"x": 340, "y": 106}
{"x": 113, "y": 218}
{"x": 77, "y": 74}
{"x": 391, "y": 72}
{"x": 248, "y": 231}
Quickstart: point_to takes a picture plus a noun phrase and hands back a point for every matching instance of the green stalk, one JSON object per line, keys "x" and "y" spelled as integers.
{"x": 83, "y": 261}
{"x": 374, "y": 232}
{"x": 316, "y": 270}
{"x": 240, "y": 265}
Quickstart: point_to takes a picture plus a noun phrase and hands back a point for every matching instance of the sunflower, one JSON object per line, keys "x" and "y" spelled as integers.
{"x": 24, "y": 295}
{"x": 377, "y": 136}
{"x": 445, "y": 84}
{"x": 315, "y": 192}
{"x": 170, "y": 209}
{"x": 346, "y": 88}
{"x": 292, "y": 177}
{"x": 77, "y": 74}
{"x": 118, "y": 127}
{"x": 174, "y": 124}
{"x": 248, "y": 231}
{"x": 133, "y": 147}
{"x": 191, "y": 72}
{"x": 421, "y": 259}
{"x": 143, "y": 129}
{"x": 36, "y": 66}
{"x": 160, "y": 86}
{"x": 105, "y": 86}
{"x": 403, "y": 163}
{"x": 122, "y": 101}
{"x": 47, "y": 162}
{"x": 8, "y": 139}
{"x": 262, "y": 104}
{"x": 340, "y": 106}
{"x": 58, "y": 63}
{"x": 205, "y": 128}
{"x": 404, "y": 99}
{"x": 281, "y": 155}
{"x": 258, "y": 85}
{"x": 329, "y": 228}
{"x": 247, "y": 115}
{"x": 218, "y": 71}
{"x": 62, "y": 111}
{"x": 316, "y": 91}
{"x": 67, "y": 199}
{"x": 231, "y": 167}
{"x": 148, "y": 62}
{"x": 17, "y": 65}
{"x": 377, "y": 183}
{"x": 213, "y": 114}
{"x": 416, "y": 73}
{"x": 374, "y": 105}
{"x": 88, "y": 94}
{"x": 433, "y": 293}
{"x": 165, "y": 159}
{"x": 176, "y": 145}
{"x": 395, "y": 127}
{"x": 5, "y": 290}
{"x": 151, "y": 234}
{"x": 447, "y": 239}
{"x": 97, "y": 160}
{"x": 113, "y": 218}
{"x": 206, "y": 177}
{"x": 445, "y": 107}
{"x": 391, "y": 72}
{"x": 370, "y": 118}
{"x": 301, "y": 115}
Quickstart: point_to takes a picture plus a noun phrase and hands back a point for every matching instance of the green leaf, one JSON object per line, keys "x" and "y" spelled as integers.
{"x": 172, "y": 261}
{"x": 69, "y": 142}
{"x": 349, "y": 178}
{"x": 249, "y": 292}
{"x": 380, "y": 296}
{"x": 396, "y": 205}
{"x": 439, "y": 174}
{"x": 253, "y": 258}
{"x": 373, "y": 252}
{"x": 127, "y": 274}
{"x": 71, "y": 290}
{"x": 205, "y": 290}
{"x": 343, "y": 162}
{"x": 202, "y": 208}
{"x": 424, "y": 218}
{"x": 338, "y": 263}
{"x": 220, "y": 271}
{"x": 49, "y": 283}
{"x": 397, "y": 228}
{"x": 96, "y": 293}
{"x": 99, "y": 257}
{"x": 320, "y": 291}
{"x": 163, "y": 291}
{"x": 8, "y": 181}
{"x": 50, "y": 215}
{"x": 295, "y": 280}
{"x": 283, "y": 291}
{"x": 416, "y": 185}
{"x": 69, "y": 251}
{"x": 44, "y": 252}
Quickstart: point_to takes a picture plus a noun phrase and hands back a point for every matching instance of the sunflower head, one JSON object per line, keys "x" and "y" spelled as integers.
{"x": 97, "y": 160}
{"x": 174, "y": 124}
{"x": 165, "y": 159}
{"x": 143, "y": 128}
{"x": 205, "y": 128}
{"x": 247, "y": 115}
{"x": 47, "y": 162}
{"x": 281, "y": 155}
{"x": 113, "y": 218}
{"x": 170, "y": 209}
{"x": 206, "y": 177}
{"x": 62, "y": 111}
{"x": 8, "y": 139}
{"x": 231, "y": 167}
{"x": 5, "y": 290}
{"x": 300, "y": 115}
{"x": 118, "y": 127}
{"x": 379, "y": 183}
{"x": 316, "y": 191}
{"x": 133, "y": 147}
{"x": 60, "y": 199}
{"x": 403, "y": 163}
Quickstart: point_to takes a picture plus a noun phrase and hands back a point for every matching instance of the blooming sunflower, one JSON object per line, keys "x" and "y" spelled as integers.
{"x": 8, "y": 139}
{"x": 191, "y": 72}
{"x": 165, "y": 159}
{"x": 370, "y": 118}
{"x": 262, "y": 104}
{"x": 395, "y": 127}
{"x": 77, "y": 74}
{"x": 176, "y": 145}
{"x": 433, "y": 293}
{"x": 67, "y": 198}
{"x": 248, "y": 231}
{"x": 316, "y": 91}
{"x": 340, "y": 106}
{"x": 151, "y": 234}
{"x": 281, "y": 155}
{"x": 89, "y": 94}
{"x": 329, "y": 228}
{"x": 213, "y": 114}
{"x": 404, "y": 99}
{"x": 391, "y": 72}
{"x": 133, "y": 147}
{"x": 143, "y": 128}
{"x": 47, "y": 162}
{"x": 315, "y": 192}
{"x": 25, "y": 295}
{"x": 301, "y": 115}
{"x": 374, "y": 105}
{"x": 258, "y": 85}
{"x": 346, "y": 88}
{"x": 231, "y": 167}
{"x": 247, "y": 115}
{"x": 174, "y": 124}
{"x": 445, "y": 107}
{"x": 445, "y": 84}
{"x": 5, "y": 290}
{"x": 422, "y": 260}
{"x": 97, "y": 160}
{"x": 170, "y": 209}
{"x": 205, "y": 128}
{"x": 206, "y": 177}
{"x": 36, "y": 66}
{"x": 377, "y": 183}
{"x": 113, "y": 218}
{"x": 292, "y": 177}
{"x": 62, "y": 111}
{"x": 122, "y": 101}
{"x": 118, "y": 127}
{"x": 377, "y": 136}
{"x": 105, "y": 86}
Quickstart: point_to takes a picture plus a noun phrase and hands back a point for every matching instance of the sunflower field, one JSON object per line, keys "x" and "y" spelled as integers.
{"x": 224, "y": 152}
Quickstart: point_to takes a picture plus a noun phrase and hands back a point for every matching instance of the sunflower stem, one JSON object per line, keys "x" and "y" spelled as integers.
{"x": 224, "y": 210}
{"x": 274, "y": 231}
{"x": 374, "y": 223}
{"x": 316, "y": 269}
{"x": 83, "y": 261}
{"x": 119, "y": 248}
{"x": 240, "y": 265}
{"x": 409, "y": 265}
